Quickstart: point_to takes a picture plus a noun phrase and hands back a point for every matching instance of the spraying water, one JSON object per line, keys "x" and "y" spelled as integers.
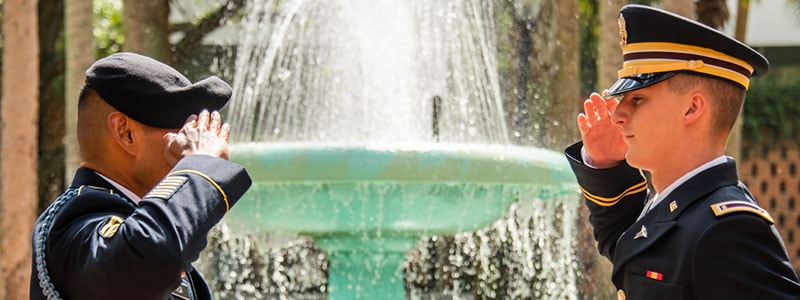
{"x": 367, "y": 70}
{"x": 382, "y": 85}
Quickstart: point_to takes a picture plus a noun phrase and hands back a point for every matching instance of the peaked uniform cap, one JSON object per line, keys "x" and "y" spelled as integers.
{"x": 656, "y": 44}
{"x": 152, "y": 92}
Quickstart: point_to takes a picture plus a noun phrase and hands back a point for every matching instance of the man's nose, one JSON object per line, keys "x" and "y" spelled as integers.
{"x": 619, "y": 116}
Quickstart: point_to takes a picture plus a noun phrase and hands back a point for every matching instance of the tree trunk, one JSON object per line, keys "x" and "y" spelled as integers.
{"x": 51, "y": 101}
{"x": 18, "y": 154}
{"x": 78, "y": 19}
{"x": 146, "y": 28}
{"x": 734, "y": 146}
{"x": 609, "y": 52}
{"x": 597, "y": 284}
{"x": 566, "y": 91}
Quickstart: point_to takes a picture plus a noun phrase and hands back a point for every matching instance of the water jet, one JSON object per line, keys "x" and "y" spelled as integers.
{"x": 369, "y": 124}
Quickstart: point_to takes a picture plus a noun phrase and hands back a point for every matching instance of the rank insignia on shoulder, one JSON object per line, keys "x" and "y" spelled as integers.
{"x": 167, "y": 187}
{"x": 724, "y": 208}
{"x": 111, "y": 227}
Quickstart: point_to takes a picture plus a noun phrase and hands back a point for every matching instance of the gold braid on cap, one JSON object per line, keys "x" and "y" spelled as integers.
{"x": 655, "y": 57}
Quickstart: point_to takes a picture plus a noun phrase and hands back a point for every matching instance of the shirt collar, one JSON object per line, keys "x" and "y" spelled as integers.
{"x": 122, "y": 189}
{"x": 663, "y": 195}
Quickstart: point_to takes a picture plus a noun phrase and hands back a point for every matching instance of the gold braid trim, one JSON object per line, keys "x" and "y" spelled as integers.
{"x": 214, "y": 183}
{"x": 605, "y": 201}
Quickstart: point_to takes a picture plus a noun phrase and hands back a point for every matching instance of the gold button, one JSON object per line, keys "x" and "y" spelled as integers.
{"x": 620, "y": 294}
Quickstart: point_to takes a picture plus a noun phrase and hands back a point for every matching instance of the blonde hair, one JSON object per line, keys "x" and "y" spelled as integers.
{"x": 726, "y": 98}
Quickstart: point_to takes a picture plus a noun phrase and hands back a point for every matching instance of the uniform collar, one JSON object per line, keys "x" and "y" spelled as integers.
{"x": 689, "y": 175}
{"x": 133, "y": 197}
{"x": 89, "y": 177}
{"x": 662, "y": 218}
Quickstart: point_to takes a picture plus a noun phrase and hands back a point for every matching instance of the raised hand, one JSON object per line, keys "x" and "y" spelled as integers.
{"x": 602, "y": 140}
{"x": 201, "y": 134}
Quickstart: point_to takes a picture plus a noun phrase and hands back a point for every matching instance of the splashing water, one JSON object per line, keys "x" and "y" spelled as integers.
{"x": 366, "y": 70}
{"x": 409, "y": 72}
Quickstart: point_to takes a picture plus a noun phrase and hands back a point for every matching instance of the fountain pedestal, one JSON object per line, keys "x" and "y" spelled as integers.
{"x": 367, "y": 205}
{"x": 365, "y": 268}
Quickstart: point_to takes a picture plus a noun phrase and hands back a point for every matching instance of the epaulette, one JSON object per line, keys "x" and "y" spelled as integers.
{"x": 724, "y": 208}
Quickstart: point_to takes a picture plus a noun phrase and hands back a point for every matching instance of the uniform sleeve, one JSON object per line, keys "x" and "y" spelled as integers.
{"x": 105, "y": 255}
{"x": 741, "y": 256}
{"x": 614, "y": 196}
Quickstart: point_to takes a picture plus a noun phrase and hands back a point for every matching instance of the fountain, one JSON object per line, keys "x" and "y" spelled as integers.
{"x": 369, "y": 124}
{"x": 368, "y": 205}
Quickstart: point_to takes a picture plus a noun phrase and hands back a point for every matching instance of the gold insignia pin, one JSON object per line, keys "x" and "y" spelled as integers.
{"x": 673, "y": 206}
{"x": 111, "y": 227}
{"x": 641, "y": 234}
{"x": 623, "y": 33}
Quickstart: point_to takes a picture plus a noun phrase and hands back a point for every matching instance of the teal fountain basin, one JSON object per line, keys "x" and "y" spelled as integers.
{"x": 366, "y": 205}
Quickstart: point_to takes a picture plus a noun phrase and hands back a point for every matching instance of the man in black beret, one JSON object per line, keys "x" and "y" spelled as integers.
{"x": 690, "y": 229}
{"x": 153, "y": 180}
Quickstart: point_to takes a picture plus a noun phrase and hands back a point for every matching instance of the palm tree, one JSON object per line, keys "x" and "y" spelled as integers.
{"x": 19, "y": 116}
{"x": 78, "y": 21}
{"x": 147, "y": 28}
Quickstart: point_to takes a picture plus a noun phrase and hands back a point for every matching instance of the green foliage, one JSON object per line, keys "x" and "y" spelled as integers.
{"x": 107, "y": 23}
{"x": 772, "y": 107}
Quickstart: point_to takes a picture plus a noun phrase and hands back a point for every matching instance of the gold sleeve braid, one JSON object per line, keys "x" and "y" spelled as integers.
{"x": 610, "y": 201}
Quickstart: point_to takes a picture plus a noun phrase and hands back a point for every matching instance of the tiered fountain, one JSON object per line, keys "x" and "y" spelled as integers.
{"x": 367, "y": 124}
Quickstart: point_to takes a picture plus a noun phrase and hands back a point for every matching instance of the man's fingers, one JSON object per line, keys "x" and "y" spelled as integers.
{"x": 202, "y": 119}
{"x": 599, "y": 105}
{"x": 583, "y": 124}
{"x": 191, "y": 122}
{"x": 611, "y": 103}
{"x": 225, "y": 131}
{"x": 216, "y": 120}
{"x": 589, "y": 111}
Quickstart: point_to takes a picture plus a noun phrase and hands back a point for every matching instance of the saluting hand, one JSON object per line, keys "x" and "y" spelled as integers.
{"x": 602, "y": 140}
{"x": 201, "y": 134}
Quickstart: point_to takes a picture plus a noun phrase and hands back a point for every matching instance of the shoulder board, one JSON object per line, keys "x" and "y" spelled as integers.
{"x": 724, "y": 208}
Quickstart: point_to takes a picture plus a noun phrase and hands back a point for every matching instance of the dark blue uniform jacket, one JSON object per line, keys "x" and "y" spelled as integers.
{"x": 103, "y": 246}
{"x": 707, "y": 240}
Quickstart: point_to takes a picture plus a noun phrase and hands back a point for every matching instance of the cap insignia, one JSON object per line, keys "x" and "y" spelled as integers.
{"x": 623, "y": 32}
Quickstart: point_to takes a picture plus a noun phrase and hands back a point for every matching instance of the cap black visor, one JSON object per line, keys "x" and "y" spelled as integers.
{"x": 632, "y": 83}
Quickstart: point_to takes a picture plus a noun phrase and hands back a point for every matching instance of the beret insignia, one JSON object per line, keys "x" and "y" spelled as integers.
{"x": 724, "y": 208}
{"x": 111, "y": 227}
{"x": 167, "y": 187}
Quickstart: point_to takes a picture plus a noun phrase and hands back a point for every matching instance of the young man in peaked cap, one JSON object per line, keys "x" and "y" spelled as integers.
{"x": 691, "y": 230}
{"x": 153, "y": 180}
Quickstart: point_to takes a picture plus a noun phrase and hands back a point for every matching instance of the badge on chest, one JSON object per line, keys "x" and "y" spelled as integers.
{"x": 184, "y": 291}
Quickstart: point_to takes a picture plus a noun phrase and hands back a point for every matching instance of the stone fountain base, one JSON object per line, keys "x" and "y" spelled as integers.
{"x": 367, "y": 206}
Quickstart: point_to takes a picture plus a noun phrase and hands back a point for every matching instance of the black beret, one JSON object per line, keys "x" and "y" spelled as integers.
{"x": 152, "y": 92}
{"x": 656, "y": 44}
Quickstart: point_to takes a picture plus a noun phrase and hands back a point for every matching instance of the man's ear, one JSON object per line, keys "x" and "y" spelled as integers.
{"x": 119, "y": 126}
{"x": 696, "y": 106}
